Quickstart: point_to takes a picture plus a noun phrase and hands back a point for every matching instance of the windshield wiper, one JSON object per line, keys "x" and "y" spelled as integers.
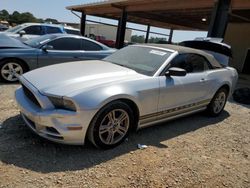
{"x": 25, "y": 43}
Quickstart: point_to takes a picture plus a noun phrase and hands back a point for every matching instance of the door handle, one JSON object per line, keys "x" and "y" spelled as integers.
{"x": 202, "y": 80}
{"x": 76, "y": 57}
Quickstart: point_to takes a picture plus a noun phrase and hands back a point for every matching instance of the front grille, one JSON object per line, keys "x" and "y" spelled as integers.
{"x": 30, "y": 95}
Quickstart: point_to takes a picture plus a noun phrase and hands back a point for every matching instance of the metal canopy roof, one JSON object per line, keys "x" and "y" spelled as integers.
{"x": 176, "y": 14}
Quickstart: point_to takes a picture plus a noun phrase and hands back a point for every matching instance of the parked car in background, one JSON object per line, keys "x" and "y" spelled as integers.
{"x": 31, "y": 30}
{"x": 17, "y": 57}
{"x": 135, "y": 87}
{"x": 3, "y": 27}
{"x": 71, "y": 30}
{"x": 103, "y": 40}
{"x": 215, "y": 46}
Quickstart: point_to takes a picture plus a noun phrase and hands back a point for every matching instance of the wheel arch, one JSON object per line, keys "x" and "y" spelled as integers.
{"x": 15, "y": 58}
{"x": 132, "y": 104}
{"x": 127, "y": 100}
{"x": 225, "y": 86}
{"x": 134, "y": 108}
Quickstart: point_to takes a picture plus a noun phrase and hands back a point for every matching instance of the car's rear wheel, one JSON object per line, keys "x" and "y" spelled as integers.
{"x": 11, "y": 69}
{"x": 218, "y": 102}
{"x": 111, "y": 125}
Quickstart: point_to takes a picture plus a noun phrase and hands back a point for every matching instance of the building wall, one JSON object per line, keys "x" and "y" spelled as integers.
{"x": 105, "y": 30}
{"x": 238, "y": 36}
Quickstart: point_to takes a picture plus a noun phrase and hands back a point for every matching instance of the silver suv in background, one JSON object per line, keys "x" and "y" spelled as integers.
{"x": 27, "y": 31}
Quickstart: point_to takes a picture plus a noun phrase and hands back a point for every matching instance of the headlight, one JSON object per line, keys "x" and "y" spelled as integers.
{"x": 62, "y": 103}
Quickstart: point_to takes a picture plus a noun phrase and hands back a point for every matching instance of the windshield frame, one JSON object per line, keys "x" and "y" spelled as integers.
{"x": 161, "y": 67}
{"x": 15, "y": 28}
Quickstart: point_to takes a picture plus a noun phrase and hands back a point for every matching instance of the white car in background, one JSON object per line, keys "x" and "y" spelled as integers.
{"x": 135, "y": 87}
{"x": 27, "y": 31}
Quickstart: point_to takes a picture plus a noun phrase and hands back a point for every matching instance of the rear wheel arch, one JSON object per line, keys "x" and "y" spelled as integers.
{"x": 218, "y": 102}
{"x": 225, "y": 86}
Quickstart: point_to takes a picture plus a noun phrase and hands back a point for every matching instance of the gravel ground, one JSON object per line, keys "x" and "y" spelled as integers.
{"x": 195, "y": 151}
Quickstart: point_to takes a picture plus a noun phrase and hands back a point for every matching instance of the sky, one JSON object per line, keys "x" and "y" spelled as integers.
{"x": 56, "y": 9}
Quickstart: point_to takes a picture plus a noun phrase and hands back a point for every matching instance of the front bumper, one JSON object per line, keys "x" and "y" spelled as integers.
{"x": 57, "y": 125}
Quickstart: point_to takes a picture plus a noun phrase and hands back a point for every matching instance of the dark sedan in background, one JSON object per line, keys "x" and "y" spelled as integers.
{"x": 18, "y": 57}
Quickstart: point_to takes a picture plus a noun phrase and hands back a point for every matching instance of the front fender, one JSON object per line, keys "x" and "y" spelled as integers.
{"x": 97, "y": 98}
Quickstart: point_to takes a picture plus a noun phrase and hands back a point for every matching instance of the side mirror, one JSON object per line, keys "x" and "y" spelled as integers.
{"x": 21, "y": 33}
{"x": 47, "y": 47}
{"x": 174, "y": 71}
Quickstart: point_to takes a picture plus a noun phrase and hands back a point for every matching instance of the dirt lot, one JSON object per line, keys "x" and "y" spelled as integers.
{"x": 195, "y": 151}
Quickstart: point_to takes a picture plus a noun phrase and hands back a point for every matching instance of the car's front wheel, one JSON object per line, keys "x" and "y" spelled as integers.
{"x": 111, "y": 125}
{"x": 10, "y": 70}
{"x": 218, "y": 102}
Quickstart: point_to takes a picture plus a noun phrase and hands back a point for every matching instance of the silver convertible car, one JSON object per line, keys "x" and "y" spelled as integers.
{"x": 135, "y": 87}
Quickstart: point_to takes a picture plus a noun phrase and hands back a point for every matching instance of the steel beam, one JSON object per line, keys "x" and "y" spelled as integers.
{"x": 219, "y": 19}
{"x": 121, "y": 30}
{"x": 170, "y": 36}
{"x": 83, "y": 24}
{"x": 147, "y": 34}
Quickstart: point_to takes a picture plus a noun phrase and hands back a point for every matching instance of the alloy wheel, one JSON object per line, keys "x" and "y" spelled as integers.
{"x": 114, "y": 126}
{"x": 10, "y": 71}
{"x": 219, "y": 102}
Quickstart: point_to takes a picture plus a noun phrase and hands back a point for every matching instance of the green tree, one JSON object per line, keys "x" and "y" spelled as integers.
{"x": 137, "y": 39}
{"x": 14, "y": 18}
{"x": 27, "y": 17}
{"x": 4, "y": 15}
{"x": 157, "y": 40}
{"x": 54, "y": 21}
{"x": 19, "y": 18}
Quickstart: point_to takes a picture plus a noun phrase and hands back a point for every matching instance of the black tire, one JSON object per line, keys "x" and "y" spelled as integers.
{"x": 211, "y": 108}
{"x": 16, "y": 64}
{"x": 102, "y": 116}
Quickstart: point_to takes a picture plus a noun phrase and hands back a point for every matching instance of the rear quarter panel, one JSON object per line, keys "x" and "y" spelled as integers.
{"x": 219, "y": 77}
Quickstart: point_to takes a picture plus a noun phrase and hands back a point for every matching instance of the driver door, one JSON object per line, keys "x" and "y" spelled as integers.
{"x": 179, "y": 92}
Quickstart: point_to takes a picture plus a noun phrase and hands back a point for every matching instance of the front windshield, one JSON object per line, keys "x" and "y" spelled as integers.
{"x": 14, "y": 29}
{"x": 38, "y": 41}
{"x": 144, "y": 60}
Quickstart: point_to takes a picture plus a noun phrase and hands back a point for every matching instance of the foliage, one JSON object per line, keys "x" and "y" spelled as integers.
{"x": 54, "y": 21}
{"x": 138, "y": 39}
{"x": 141, "y": 39}
{"x": 19, "y": 18}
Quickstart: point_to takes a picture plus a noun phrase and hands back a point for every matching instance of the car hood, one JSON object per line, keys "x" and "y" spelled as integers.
{"x": 9, "y": 42}
{"x": 66, "y": 78}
